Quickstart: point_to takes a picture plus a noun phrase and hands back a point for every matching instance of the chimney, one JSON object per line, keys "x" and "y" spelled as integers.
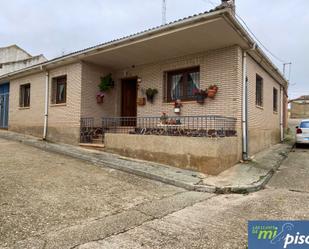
{"x": 229, "y": 4}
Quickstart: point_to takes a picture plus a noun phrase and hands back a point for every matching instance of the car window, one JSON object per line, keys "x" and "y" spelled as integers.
{"x": 304, "y": 124}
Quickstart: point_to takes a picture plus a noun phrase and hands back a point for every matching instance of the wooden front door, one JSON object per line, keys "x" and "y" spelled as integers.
{"x": 128, "y": 103}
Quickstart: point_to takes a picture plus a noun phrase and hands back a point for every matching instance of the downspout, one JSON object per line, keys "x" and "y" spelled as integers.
{"x": 281, "y": 115}
{"x": 46, "y": 105}
{"x": 245, "y": 153}
{"x": 245, "y": 137}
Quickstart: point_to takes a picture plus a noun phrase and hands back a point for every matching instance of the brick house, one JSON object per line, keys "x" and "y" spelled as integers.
{"x": 300, "y": 107}
{"x": 57, "y": 100}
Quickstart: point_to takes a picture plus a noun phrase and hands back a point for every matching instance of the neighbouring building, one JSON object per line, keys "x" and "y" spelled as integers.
{"x": 197, "y": 93}
{"x": 12, "y": 58}
{"x": 299, "y": 108}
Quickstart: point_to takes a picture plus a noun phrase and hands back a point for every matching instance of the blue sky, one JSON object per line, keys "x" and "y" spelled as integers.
{"x": 54, "y": 27}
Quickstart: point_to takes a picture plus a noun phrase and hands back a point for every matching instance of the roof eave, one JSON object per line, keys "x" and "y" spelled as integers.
{"x": 226, "y": 13}
{"x": 80, "y": 55}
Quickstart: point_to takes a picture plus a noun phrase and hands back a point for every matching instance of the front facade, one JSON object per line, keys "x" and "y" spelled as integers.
{"x": 13, "y": 58}
{"x": 59, "y": 100}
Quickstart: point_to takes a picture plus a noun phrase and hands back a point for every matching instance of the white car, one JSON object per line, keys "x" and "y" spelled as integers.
{"x": 302, "y": 132}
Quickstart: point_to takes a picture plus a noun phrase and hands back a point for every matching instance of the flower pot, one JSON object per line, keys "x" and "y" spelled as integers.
{"x": 212, "y": 93}
{"x": 100, "y": 97}
{"x": 177, "y": 110}
{"x": 150, "y": 98}
{"x": 200, "y": 99}
{"x": 215, "y": 88}
{"x": 141, "y": 101}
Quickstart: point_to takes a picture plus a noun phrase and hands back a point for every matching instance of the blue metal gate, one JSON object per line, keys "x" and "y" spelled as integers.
{"x": 4, "y": 105}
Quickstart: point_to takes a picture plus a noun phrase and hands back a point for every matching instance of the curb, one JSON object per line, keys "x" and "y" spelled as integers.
{"x": 74, "y": 153}
{"x": 246, "y": 189}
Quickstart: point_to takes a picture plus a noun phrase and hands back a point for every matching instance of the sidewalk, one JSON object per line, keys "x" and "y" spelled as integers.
{"x": 242, "y": 178}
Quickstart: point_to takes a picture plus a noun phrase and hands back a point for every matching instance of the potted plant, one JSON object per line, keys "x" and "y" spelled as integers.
{"x": 212, "y": 91}
{"x": 177, "y": 106}
{"x": 164, "y": 118}
{"x": 200, "y": 95}
{"x": 151, "y": 93}
{"x": 141, "y": 101}
{"x": 100, "y": 97}
{"x": 105, "y": 85}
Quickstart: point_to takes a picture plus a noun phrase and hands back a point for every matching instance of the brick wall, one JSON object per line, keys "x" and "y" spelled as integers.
{"x": 63, "y": 120}
{"x": 221, "y": 67}
{"x": 91, "y": 77}
{"x": 263, "y": 122}
{"x": 28, "y": 120}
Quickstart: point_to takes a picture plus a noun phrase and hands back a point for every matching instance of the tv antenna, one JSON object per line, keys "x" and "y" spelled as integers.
{"x": 164, "y": 12}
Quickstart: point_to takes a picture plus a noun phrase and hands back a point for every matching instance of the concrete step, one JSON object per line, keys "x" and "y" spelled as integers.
{"x": 93, "y": 146}
{"x": 97, "y": 141}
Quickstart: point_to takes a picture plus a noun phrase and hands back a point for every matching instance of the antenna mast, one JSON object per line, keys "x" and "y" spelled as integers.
{"x": 164, "y": 12}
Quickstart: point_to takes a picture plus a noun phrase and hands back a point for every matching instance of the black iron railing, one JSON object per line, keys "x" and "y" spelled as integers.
{"x": 86, "y": 130}
{"x": 188, "y": 126}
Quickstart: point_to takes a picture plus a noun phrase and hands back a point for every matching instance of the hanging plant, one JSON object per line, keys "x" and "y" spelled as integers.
{"x": 151, "y": 93}
{"x": 107, "y": 83}
{"x": 164, "y": 118}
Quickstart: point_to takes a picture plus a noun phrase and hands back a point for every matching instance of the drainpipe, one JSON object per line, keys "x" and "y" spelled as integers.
{"x": 245, "y": 153}
{"x": 46, "y": 105}
{"x": 281, "y": 115}
{"x": 245, "y": 137}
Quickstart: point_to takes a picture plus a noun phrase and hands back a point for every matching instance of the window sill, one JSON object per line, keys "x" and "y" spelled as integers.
{"x": 275, "y": 112}
{"x": 259, "y": 107}
{"x": 182, "y": 102}
{"x": 55, "y": 105}
{"x": 24, "y": 108}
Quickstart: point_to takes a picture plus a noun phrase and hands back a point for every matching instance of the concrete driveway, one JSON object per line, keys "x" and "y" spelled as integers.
{"x": 42, "y": 193}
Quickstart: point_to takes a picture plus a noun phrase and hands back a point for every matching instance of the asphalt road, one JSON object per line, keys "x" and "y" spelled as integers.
{"x": 53, "y": 201}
